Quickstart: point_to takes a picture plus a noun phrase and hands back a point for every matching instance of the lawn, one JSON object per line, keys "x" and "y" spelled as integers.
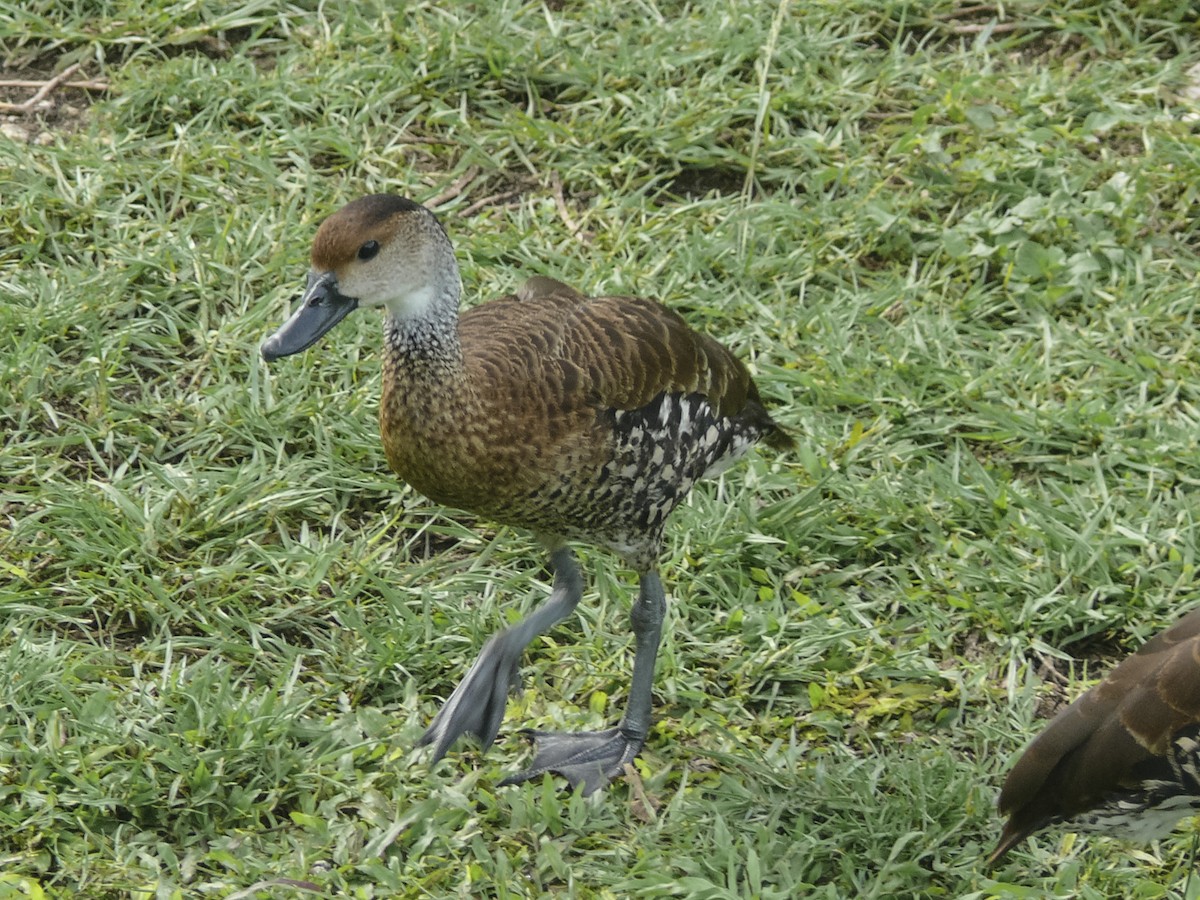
{"x": 956, "y": 243}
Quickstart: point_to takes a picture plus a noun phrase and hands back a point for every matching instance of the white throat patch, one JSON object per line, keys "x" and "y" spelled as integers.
{"x": 413, "y": 305}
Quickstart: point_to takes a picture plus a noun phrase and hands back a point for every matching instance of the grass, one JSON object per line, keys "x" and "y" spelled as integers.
{"x": 958, "y": 245}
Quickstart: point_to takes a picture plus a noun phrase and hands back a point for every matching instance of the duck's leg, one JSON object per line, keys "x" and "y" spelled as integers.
{"x": 593, "y": 758}
{"x": 477, "y": 704}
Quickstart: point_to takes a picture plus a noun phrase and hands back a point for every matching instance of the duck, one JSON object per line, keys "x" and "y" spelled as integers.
{"x": 582, "y": 419}
{"x": 1122, "y": 760}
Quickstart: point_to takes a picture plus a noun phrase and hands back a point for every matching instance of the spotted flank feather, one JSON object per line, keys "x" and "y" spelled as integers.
{"x": 1167, "y": 789}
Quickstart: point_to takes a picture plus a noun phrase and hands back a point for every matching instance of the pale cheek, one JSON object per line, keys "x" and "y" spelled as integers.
{"x": 370, "y": 287}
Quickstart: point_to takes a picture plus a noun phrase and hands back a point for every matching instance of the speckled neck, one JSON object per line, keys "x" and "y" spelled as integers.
{"x": 428, "y": 342}
{"x": 425, "y": 383}
{"x": 428, "y": 401}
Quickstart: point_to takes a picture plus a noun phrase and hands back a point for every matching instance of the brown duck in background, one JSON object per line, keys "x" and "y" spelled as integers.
{"x": 1123, "y": 759}
{"x": 580, "y": 418}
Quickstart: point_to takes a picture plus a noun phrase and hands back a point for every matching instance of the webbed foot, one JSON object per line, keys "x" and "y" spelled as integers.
{"x": 477, "y": 704}
{"x": 587, "y": 759}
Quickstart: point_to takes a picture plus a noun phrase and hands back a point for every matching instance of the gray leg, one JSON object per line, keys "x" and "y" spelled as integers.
{"x": 593, "y": 758}
{"x": 477, "y": 704}
{"x": 647, "y": 617}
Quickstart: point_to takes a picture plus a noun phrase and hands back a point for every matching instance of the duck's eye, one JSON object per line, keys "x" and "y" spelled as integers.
{"x": 368, "y": 250}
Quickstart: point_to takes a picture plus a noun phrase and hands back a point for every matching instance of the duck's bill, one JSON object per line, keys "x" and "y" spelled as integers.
{"x": 320, "y": 309}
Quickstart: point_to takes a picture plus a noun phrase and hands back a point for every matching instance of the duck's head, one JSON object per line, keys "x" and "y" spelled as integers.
{"x": 380, "y": 250}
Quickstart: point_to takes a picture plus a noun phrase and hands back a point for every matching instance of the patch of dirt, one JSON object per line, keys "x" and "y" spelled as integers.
{"x": 694, "y": 182}
{"x": 38, "y": 103}
{"x": 476, "y": 190}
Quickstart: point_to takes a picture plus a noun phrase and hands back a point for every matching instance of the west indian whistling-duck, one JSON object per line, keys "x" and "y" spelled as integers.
{"x": 579, "y": 418}
{"x": 1122, "y": 760}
